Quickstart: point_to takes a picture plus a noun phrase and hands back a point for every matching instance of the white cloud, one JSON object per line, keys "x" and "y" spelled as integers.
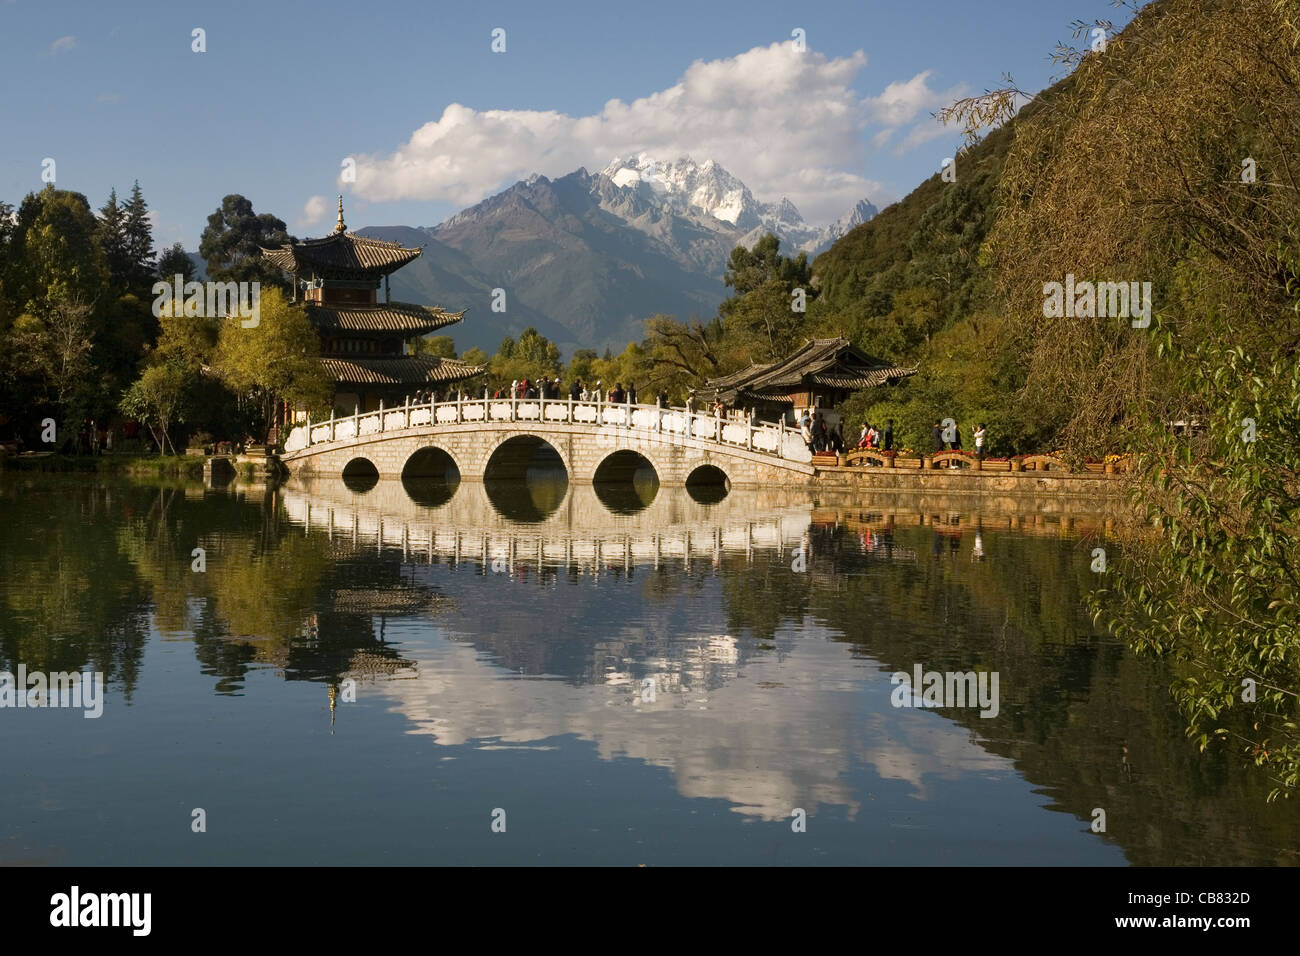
{"x": 62, "y": 45}
{"x": 786, "y": 123}
{"x": 110, "y": 97}
{"x": 313, "y": 211}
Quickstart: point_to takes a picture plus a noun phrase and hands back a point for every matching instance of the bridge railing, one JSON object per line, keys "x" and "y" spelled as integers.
{"x": 647, "y": 421}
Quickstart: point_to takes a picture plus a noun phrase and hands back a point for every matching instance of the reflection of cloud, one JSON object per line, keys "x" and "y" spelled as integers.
{"x": 779, "y": 734}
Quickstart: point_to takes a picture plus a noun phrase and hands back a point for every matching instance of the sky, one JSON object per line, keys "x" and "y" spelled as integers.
{"x": 433, "y": 118}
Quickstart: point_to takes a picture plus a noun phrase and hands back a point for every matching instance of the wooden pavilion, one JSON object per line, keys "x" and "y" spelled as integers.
{"x": 821, "y": 374}
{"x": 364, "y": 342}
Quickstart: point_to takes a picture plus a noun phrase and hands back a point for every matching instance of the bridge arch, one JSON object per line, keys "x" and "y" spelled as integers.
{"x": 707, "y": 483}
{"x": 514, "y": 457}
{"x": 360, "y": 474}
{"x": 431, "y": 476}
{"x": 626, "y": 481}
{"x": 432, "y": 461}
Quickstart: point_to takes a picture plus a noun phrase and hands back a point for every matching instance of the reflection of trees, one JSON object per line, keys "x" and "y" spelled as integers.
{"x": 1080, "y": 714}
{"x": 271, "y": 596}
{"x": 71, "y": 598}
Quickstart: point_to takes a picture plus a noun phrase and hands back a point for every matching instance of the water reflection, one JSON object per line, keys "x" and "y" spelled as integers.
{"x": 740, "y": 650}
{"x": 528, "y": 500}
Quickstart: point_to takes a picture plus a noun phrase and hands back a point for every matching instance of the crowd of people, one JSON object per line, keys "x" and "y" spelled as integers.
{"x": 820, "y": 436}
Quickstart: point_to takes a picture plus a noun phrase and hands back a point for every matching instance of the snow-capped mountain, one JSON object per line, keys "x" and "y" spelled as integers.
{"x": 707, "y": 190}
{"x": 587, "y": 257}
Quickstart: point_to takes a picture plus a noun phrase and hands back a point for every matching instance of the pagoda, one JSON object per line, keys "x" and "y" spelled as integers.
{"x": 820, "y": 374}
{"x": 364, "y": 342}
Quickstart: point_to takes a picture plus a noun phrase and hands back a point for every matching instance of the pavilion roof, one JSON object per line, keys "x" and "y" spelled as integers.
{"x": 828, "y": 363}
{"x": 398, "y": 370}
{"x": 342, "y": 253}
{"x": 401, "y": 317}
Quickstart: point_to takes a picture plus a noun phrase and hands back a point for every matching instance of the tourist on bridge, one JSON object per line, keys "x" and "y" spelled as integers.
{"x": 662, "y": 399}
{"x": 889, "y": 436}
{"x": 980, "y": 435}
{"x": 631, "y": 393}
{"x": 691, "y": 404}
{"x": 937, "y": 435}
{"x": 864, "y": 438}
{"x": 617, "y": 396}
{"x": 805, "y": 431}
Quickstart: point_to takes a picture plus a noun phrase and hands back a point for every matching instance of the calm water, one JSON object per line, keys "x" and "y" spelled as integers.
{"x": 626, "y": 676}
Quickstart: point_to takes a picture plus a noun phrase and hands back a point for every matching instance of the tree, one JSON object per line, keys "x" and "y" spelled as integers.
{"x": 112, "y": 239}
{"x": 156, "y": 399}
{"x": 439, "y": 346}
{"x": 532, "y": 357}
{"x": 766, "y": 317}
{"x": 1209, "y": 579}
{"x": 175, "y": 261}
{"x": 232, "y": 242}
{"x": 276, "y": 360}
{"x": 137, "y": 233}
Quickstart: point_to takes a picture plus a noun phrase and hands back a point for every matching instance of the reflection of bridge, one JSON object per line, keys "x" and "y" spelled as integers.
{"x": 579, "y": 530}
{"x": 594, "y": 441}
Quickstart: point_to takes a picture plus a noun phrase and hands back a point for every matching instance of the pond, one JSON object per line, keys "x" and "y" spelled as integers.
{"x": 541, "y": 672}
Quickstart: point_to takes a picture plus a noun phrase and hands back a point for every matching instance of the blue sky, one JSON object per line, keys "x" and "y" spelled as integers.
{"x": 284, "y": 92}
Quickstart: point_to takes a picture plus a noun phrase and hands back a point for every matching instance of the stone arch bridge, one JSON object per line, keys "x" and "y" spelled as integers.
{"x": 593, "y": 441}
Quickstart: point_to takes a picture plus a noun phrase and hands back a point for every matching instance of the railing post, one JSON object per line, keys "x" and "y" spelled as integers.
{"x": 460, "y": 410}
{"x": 308, "y": 445}
{"x": 570, "y": 418}
{"x": 381, "y": 416}
{"x": 407, "y": 423}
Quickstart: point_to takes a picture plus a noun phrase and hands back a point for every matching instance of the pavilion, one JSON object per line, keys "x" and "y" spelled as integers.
{"x": 363, "y": 341}
{"x": 821, "y": 374}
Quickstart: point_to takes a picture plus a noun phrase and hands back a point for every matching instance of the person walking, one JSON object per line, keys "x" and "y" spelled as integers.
{"x": 631, "y": 393}
{"x": 889, "y": 436}
{"x": 980, "y": 436}
{"x": 662, "y": 400}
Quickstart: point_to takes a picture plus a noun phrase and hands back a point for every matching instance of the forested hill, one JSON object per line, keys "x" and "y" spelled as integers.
{"x": 914, "y": 268}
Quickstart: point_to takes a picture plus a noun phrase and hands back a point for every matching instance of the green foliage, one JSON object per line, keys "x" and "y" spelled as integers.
{"x": 232, "y": 242}
{"x": 274, "y": 360}
{"x": 1211, "y": 580}
{"x": 761, "y": 318}
{"x": 175, "y": 261}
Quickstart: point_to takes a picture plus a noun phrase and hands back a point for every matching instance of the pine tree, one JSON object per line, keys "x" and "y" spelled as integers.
{"x": 175, "y": 261}
{"x": 112, "y": 239}
{"x": 138, "y": 232}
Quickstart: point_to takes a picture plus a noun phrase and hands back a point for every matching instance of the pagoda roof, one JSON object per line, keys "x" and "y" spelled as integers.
{"x": 401, "y": 317}
{"x": 342, "y": 253}
{"x": 398, "y": 370}
{"x": 829, "y": 363}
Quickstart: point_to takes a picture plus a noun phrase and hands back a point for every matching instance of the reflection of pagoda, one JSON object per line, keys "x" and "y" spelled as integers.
{"x": 363, "y": 341}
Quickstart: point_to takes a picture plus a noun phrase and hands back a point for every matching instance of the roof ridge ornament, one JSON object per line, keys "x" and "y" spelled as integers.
{"x": 339, "y": 227}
